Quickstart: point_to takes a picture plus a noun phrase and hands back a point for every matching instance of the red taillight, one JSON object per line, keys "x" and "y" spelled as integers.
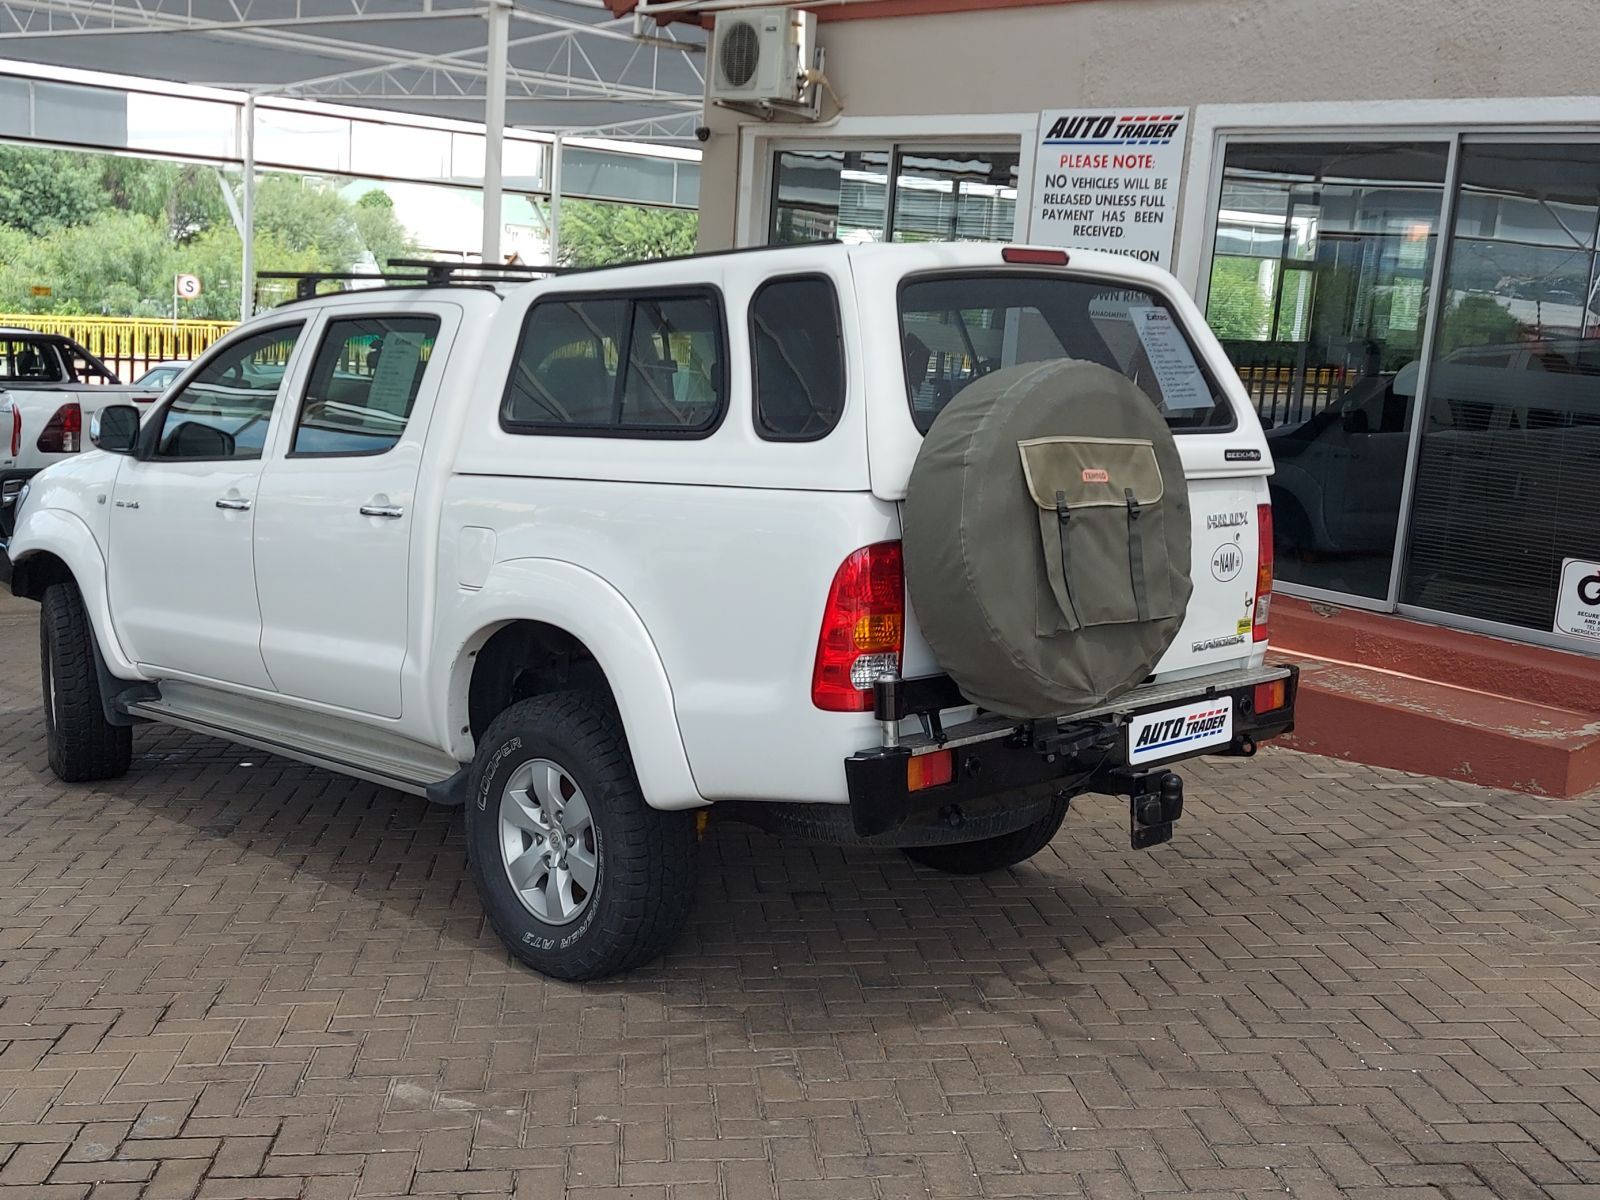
{"x": 63, "y": 434}
{"x": 863, "y": 629}
{"x": 1263, "y": 572}
{"x": 1032, "y": 256}
{"x": 16, "y": 431}
{"x": 1270, "y": 697}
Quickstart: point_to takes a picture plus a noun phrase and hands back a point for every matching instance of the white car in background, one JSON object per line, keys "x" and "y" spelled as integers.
{"x": 160, "y": 375}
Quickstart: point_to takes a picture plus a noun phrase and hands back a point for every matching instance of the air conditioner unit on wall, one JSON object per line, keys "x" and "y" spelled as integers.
{"x": 760, "y": 56}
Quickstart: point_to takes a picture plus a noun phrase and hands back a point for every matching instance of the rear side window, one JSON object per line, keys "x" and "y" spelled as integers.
{"x": 364, "y": 382}
{"x": 955, "y": 329}
{"x": 29, "y": 362}
{"x": 798, "y": 352}
{"x": 631, "y": 366}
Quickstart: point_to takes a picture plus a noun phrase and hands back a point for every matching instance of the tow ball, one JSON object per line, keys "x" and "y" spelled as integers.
{"x": 1155, "y": 802}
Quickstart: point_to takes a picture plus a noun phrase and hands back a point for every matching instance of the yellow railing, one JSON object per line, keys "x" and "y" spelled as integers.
{"x": 128, "y": 345}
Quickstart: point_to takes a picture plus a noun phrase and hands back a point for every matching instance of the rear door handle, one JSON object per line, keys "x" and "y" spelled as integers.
{"x": 382, "y": 510}
{"x": 236, "y": 504}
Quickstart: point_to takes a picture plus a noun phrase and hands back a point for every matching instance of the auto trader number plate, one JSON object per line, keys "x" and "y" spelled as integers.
{"x": 1189, "y": 727}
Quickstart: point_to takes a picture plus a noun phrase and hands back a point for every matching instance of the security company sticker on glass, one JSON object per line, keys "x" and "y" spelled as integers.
{"x": 1181, "y": 730}
{"x": 1578, "y": 601}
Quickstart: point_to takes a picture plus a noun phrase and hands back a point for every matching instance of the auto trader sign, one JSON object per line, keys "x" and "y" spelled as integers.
{"x": 1108, "y": 179}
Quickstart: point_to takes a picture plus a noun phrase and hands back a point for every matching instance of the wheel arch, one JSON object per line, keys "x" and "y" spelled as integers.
{"x": 542, "y": 625}
{"x": 53, "y": 546}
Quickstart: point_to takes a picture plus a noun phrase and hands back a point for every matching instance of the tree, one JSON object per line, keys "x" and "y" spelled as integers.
{"x": 307, "y": 215}
{"x": 1478, "y": 321}
{"x": 41, "y": 190}
{"x": 1237, "y": 309}
{"x": 594, "y": 234}
{"x": 380, "y": 230}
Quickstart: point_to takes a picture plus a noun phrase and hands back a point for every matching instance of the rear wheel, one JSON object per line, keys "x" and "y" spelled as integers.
{"x": 578, "y": 875}
{"x": 996, "y": 853}
{"x": 81, "y": 744}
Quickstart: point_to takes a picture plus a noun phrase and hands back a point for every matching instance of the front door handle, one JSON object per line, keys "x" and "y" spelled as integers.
{"x": 234, "y": 503}
{"x": 382, "y": 510}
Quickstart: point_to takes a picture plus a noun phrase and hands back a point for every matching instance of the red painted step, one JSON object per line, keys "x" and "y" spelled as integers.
{"x": 1471, "y": 660}
{"x": 1398, "y": 693}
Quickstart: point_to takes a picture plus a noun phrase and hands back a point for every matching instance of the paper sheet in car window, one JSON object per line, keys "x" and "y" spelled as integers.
{"x": 1183, "y": 388}
{"x": 394, "y": 380}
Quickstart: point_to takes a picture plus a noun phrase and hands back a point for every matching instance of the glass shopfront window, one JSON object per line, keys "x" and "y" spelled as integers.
{"x": 1510, "y": 451}
{"x": 1323, "y": 257}
{"x": 1471, "y": 385}
{"x": 894, "y": 193}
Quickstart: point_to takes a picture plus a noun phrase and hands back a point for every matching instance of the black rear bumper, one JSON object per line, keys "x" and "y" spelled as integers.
{"x": 1011, "y": 768}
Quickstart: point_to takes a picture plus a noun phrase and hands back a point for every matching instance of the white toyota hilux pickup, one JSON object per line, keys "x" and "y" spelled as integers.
{"x": 590, "y": 555}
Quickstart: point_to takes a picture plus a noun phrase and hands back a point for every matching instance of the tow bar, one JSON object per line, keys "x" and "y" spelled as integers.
{"x": 1155, "y": 802}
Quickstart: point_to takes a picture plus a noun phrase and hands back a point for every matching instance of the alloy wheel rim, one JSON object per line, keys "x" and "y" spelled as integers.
{"x": 548, "y": 842}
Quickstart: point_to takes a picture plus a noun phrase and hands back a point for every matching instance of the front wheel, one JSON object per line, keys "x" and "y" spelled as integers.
{"x": 996, "y": 853}
{"x": 80, "y": 743}
{"x": 577, "y": 874}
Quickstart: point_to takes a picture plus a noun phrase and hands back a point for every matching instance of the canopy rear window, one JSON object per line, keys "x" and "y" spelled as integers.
{"x": 957, "y": 328}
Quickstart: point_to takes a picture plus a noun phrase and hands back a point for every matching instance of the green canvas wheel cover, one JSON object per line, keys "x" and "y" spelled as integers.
{"x": 1046, "y": 555}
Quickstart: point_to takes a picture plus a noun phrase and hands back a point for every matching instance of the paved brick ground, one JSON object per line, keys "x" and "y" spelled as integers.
{"x": 231, "y": 976}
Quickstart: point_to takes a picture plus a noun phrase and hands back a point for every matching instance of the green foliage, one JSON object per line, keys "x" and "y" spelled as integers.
{"x": 106, "y": 234}
{"x": 1237, "y": 307}
{"x": 1478, "y": 321}
{"x": 44, "y": 190}
{"x": 594, "y": 234}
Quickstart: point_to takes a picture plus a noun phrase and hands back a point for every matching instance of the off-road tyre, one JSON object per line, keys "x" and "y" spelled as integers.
{"x": 81, "y": 745}
{"x": 646, "y": 858}
{"x": 996, "y": 853}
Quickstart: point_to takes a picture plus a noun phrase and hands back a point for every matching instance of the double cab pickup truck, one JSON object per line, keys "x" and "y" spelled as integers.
{"x": 592, "y": 555}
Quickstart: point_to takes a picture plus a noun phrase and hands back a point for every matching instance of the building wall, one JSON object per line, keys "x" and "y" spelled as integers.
{"x": 1182, "y": 52}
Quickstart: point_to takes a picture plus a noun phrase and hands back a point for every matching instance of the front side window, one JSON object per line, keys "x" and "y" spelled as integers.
{"x": 29, "y": 362}
{"x": 955, "y": 329}
{"x": 646, "y": 365}
{"x": 364, "y": 383}
{"x": 798, "y": 348}
{"x": 224, "y": 411}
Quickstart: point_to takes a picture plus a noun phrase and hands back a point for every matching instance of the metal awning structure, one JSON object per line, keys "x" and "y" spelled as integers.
{"x": 569, "y": 65}
{"x": 558, "y": 66}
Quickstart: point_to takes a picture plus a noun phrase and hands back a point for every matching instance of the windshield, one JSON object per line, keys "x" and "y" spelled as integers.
{"x": 956, "y": 329}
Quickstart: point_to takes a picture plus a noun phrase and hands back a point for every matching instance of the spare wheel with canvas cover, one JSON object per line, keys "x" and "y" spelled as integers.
{"x": 1046, "y": 531}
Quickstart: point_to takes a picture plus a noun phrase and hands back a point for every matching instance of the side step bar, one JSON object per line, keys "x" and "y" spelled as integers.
{"x": 317, "y": 739}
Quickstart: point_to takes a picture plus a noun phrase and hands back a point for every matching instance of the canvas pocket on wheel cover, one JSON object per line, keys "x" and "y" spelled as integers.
{"x": 1101, "y": 517}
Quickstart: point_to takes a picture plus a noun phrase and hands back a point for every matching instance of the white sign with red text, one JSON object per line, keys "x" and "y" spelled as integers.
{"x": 1108, "y": 179}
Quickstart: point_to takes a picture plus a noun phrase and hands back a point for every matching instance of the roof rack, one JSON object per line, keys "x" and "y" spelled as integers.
{"x": 413, "y": 272}
{"x": 426, "y": 272}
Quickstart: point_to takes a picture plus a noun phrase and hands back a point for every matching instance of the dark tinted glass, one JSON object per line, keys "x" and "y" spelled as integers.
{"x": 958, "y": 328}
{"x": 570, "y": 375}
{"x": 1511, "y": 420}
{"x": 799, "y": 359}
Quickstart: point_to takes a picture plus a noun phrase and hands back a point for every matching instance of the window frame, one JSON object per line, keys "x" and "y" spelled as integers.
{"x": 1089, "y": 277}
{"x": 150, "y": 431}
{"x": 322, "y": 343}
{"x": 763, "y": 432}
{"x": 689, "y": 291}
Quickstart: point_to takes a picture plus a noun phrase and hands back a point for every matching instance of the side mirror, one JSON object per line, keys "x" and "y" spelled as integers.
{"x": 1355, "y": 420}
{"x": 192, "y": 439}
{"x": 115, "y": 428}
